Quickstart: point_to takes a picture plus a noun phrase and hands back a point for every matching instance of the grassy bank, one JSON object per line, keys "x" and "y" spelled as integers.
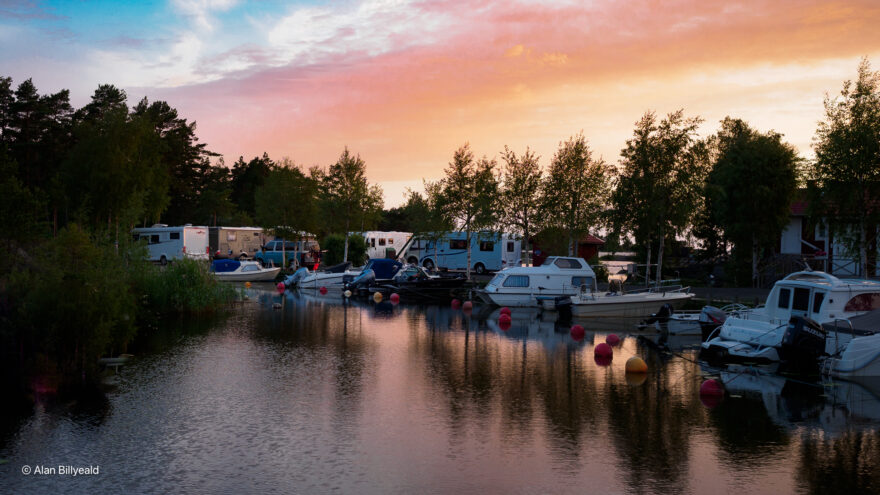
{"x": 72, "y": 299}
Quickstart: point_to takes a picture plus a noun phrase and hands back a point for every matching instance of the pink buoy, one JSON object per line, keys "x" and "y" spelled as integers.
{"x": 322, "y": 290}
{"x": 711, "y": 393}
{"x": 577, "y": 332}
{"x": 280, "y": 287}
{"x": 505, "y": 311}
{"x": 612, "y": 340}
{"x": 467, "y": 306}
{"x": 395, "y": 298}
{"x": 602, "y": 360}
{"x": 504, "y": 324}
{"x": 603, "y": 350}
{"x": 456, "y": 304}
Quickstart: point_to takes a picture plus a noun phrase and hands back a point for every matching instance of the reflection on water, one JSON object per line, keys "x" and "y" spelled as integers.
{"x": 326, "y": 395}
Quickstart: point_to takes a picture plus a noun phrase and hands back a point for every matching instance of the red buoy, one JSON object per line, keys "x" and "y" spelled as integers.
{"x": 280, "y": 287}
{"x": 504, "y": 324}
{"x": 395, "y": 298}
{"x": 612, "y": 340}
{"x": 504, "y": 318}
{"x": 602, "y": 360}
{"x": 505, "y": 311}
{"x": 711, "y": 393}
{"x": 456, "y": 304}
{"x": 467, "y": 306}
{"x": 603, "y": 350}
{"x": 577, "y": 332}
{"x": 322, "y": 290}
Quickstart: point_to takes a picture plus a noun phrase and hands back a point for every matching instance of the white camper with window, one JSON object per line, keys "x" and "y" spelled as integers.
{"x": 385, "y": 244}
{"x": 166, "y": 243}
{"x": 490, "y": 251}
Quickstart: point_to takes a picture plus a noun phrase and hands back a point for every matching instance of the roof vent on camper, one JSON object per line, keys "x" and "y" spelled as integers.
{"x": 159, "y": 225}
{"x": 187, "y": 225}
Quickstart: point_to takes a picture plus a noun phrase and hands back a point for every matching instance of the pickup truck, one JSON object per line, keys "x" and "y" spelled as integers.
{"x": 308, "y": 253}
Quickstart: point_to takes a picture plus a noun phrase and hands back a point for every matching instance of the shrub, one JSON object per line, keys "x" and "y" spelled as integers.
{"x": 334, "y": 244}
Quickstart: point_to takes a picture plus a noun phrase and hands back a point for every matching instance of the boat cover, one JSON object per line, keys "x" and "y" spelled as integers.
{"x": 866, "y": 324}
{"x": 384, "y": 268}
{"x": 221, "y": 266}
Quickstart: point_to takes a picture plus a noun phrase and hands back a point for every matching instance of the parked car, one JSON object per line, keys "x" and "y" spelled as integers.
{"x": 308, "y": 253}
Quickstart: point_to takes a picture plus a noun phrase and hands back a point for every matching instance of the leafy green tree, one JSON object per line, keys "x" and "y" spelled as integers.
{"x": 469, "y": 195}
{"x": 659, "y": 188}
{"x": 750, "y": 187}
{"x": 246, "y": 178}
{"x": 346, "y": 192}
{"x": 187, "y": 161}
{"x": 286, "y": 203}
{"x": 520, "y": 194}
{"x": 846, "y": 172}
{"x": 575, "y": 190}
{"x": 334, "y": 247}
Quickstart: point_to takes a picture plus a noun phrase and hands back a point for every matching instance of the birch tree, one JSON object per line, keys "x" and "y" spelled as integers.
{"x": 520, "y": 194}
{"x": 846, "y": 172}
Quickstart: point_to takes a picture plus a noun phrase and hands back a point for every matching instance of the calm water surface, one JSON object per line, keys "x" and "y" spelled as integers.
{"x": 321, "y": 397}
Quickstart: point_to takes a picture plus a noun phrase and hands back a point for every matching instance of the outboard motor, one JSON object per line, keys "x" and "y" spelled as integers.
{"x": 803, "y": 343}
{"x": 298, "y": 275}
{"x": 662, "y": 315}
{"x": 563, "y": 307}
{"x": 710, "y": 319}
{"x": 363, "y": 280}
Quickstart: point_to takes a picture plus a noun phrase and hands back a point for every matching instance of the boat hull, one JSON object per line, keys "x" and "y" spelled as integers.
{"x": 637, "y": 305}
{"x": 860, "y": 358}
{"x": 265, "y": 275}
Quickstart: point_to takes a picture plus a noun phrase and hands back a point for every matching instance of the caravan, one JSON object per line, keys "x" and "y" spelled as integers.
{"x": 490, "y": 251}
{"x": 385, "y": 244}
{"x": 166, "y": 243}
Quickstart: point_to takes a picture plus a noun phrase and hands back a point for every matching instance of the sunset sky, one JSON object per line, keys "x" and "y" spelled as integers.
{"x": 404, "y": 83}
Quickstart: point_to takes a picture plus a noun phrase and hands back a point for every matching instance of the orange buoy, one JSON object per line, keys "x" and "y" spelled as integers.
{"x": 636, "y": 364}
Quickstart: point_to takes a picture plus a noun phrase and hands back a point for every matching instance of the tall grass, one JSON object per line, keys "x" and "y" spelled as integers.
{"x": 184, "y": 286}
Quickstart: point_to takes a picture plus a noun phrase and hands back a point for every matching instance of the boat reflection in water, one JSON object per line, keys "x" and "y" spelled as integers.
{"x": 326, "y": 394}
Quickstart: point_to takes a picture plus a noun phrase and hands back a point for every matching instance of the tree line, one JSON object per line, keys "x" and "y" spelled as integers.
{"x": 110, "y": 167}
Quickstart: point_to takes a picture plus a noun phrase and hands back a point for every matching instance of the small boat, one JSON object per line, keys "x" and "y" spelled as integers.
{"x": 243, "y": 271}
{"x": 376, "y": 271}
{"x": 530, "y": 286}
{"x": 757, "y": 335}
{"x": 413, "y": 282}
{"x": 331, "y": 277}
{"x": 854, "y": 346}
{"x": 701, "y": 322}
{"x": 636, "y": 304}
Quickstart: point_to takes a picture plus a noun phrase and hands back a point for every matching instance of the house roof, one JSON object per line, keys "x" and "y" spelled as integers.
{"x": 591, "y": 239}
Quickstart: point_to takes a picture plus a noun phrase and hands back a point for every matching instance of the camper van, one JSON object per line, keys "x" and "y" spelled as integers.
{"x": 166, "y": 243}
{"x": 490, "y": 251}
{"x": 235, "y": 242}
{"x": 385, "y": 244}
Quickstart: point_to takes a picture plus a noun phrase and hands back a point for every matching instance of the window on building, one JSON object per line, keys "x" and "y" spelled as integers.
{"x": 390, "y": 241}
{"x": 175, "y": 236}
{"x": 517, "y": 281}
{"x": 458, "y": 244}
{"x": 487, "y": 246}
{"x": 381, "y": 241}
{"x": 784, "y": 296}
{"x": 509, "y": 246}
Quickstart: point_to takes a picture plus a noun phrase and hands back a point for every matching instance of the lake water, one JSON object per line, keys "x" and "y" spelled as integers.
{"x": 322, "y": 397}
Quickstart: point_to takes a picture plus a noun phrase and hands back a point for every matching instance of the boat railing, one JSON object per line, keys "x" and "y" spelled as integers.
{"x": 852, "y": 333}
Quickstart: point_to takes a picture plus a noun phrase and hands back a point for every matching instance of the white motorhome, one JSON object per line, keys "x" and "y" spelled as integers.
{"x": 385, "y": 244}
{"x": 166, "y": 243}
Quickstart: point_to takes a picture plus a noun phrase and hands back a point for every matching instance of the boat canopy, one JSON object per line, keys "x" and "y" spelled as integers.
{"x": 221, "y": 266}
{"x": 384, "y": 268}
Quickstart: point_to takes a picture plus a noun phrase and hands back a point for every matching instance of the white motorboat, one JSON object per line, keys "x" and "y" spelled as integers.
{"x": 243, "y": 271}
{"x": 528, "y": 286}
{"x": 697, "y": 322}
{"x": 853, "y": 346}
{"x": 331, "y": 278}
{"x": 636, "y": 304}
{"x": 756, "y": 335}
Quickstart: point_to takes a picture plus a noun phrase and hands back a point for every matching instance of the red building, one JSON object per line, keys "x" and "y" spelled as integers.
{"x": 587, "y": 247}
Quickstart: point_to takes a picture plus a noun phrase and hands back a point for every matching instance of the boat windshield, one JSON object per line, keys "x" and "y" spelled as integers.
{"x": 549, "y": 261}
{"x": 496, "y": 280}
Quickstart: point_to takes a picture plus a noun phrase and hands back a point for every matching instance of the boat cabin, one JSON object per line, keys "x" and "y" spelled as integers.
{"x": 821, "y": 297}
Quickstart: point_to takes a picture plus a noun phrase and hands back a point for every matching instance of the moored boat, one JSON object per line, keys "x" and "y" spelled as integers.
{"x": 525, "y": 286}
{"x": 243, "y": 271}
